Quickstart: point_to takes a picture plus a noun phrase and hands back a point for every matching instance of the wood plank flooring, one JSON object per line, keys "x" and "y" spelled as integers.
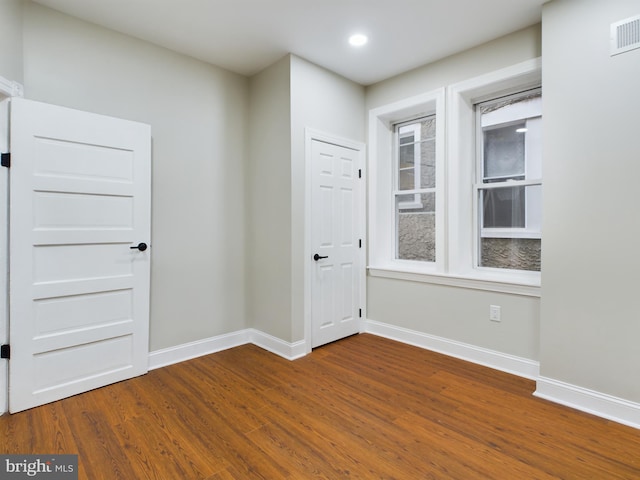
{"x": 361, "y": 408}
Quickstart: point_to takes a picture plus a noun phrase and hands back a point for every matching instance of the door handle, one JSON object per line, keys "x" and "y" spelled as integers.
{"x": 317, "y": 257}
{"x": 141, "y": 246}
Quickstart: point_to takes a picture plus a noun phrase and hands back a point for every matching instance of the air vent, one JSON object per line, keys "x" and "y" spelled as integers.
{"x": 625, "y": 35}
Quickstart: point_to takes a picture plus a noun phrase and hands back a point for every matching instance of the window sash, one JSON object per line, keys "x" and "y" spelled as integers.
{"x": 415, "y": 206}
{"x": 517, "y": 219}
{"x": 488, "y": 114}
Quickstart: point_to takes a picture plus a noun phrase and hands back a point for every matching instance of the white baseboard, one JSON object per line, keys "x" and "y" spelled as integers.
{"x": 596, "y": 403}
{"x": 187, "y": 351}
{"x": 290, "y": 351}
{"x": 522, "y": 367}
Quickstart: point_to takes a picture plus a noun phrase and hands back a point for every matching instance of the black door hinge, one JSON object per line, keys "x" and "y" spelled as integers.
{"x": 6, "y": 160}
{"x": 360, "y": 243}
{"x": 360, "y": 313}
{"x": 359, "y": 173}
{"x": 5, "y": 351}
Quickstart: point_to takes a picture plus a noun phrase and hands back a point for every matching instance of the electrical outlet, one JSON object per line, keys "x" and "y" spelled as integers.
{"x": 494, "y": 313}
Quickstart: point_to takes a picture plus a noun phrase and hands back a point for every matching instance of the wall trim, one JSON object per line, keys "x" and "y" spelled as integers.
{"x": 589, "y": 401}
{"x": 187, "y": 351}
{"x": 9, "y": 88}
{"x": 512, "y": 364}
{"x": 290, "y": 351}
{"x": 485, "y": 283}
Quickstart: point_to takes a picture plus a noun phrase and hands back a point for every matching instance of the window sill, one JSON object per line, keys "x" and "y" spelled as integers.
{"x": 526, "y": 284}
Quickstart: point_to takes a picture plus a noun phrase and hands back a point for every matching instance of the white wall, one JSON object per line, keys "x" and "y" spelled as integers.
{"x": 457, "y": 314}
{"x": 269, "y": 202}
{"x": 198, "y": 116}
{"x": 590, "y": 312}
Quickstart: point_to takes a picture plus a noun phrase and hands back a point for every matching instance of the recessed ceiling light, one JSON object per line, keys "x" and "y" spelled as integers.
{"x": 358, "y": 40}
{"x": 521, "y": 130}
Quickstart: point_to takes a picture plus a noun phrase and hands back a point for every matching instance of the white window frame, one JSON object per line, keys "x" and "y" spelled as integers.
{"x": 455, "y": 229}
{"x": 383, "y": 178}
{"x": 462, "y": 98}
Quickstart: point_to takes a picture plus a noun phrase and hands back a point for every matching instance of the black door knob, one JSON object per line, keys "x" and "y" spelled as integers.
{"x": 317, "y": 257}
{"x": 141, "y": 246}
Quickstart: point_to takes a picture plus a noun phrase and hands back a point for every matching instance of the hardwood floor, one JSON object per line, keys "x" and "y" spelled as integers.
{"x": 364, "y": 407}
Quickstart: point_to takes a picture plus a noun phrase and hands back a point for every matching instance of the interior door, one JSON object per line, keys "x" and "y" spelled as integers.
{"x": 335, "y": 286}
{"x": 79, "y": 267}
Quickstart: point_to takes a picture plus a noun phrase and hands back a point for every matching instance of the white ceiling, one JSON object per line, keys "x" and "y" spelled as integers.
{"x": 246, "y": 36}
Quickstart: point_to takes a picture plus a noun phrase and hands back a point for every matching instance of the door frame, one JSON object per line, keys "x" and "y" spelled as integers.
{"x": 311, "y": 135}
{"x": 8, "y": 89}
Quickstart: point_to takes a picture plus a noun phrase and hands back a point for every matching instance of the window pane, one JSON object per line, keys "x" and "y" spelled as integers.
{"x": 407, "y": 155}
{"x": 428, "y": 163}
{"x": 406, "y": 160}
{"x": 511, "y": 219}
{"x": 504, "y": 152}
{"x": 417, "y": 154}
{"x": 511, "y": 253}
{"x": 510, "y": 216}
{"x": 416, "y": 227}
{"x": 503, "y": 207}
{"x": 406, "y": 179}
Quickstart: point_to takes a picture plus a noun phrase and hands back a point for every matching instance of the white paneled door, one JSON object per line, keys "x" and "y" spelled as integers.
{"x": 79, "y": 263}
{"x": 335, "y": 284}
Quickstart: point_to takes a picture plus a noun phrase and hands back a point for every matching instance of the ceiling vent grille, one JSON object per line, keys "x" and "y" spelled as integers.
{"x": 625, "y": 35}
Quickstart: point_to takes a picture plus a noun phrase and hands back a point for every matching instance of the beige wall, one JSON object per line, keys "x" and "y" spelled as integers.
{"x": 454, "y": 313}
{"x": 502, "y": 52}
{"x": 198, "y": 116}
{"x": 11, "y": 40}
{"x": 590, "y": 312}
{"x": 269, "y": 202}
{"x": 327, "y": 102}
{"x": 458, "y": 314}
{"x": 286, "y": 98}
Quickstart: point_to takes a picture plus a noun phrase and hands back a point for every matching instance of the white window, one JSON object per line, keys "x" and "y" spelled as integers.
{"x": 508, "y": 184}
{"x": 436, "y": 228}
{"x": 414, "y": 194}
{"x": 406, "y": 174}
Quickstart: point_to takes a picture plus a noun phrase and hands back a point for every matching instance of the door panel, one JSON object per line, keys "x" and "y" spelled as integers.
{"x": 79, "y": 199}
{"x": 347, "y": 295}
{"x": 81, "y": 211}
{"x": 71, "y": 312}
{"x": 335, "y": 285}
{"x": 60, "y": 365}
{"x": 346, "y": 217}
